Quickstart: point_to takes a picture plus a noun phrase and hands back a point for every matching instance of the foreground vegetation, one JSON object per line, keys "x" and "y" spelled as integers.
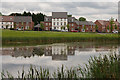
{"x": 11, "y": 36}
{"x": 98, "y": 67}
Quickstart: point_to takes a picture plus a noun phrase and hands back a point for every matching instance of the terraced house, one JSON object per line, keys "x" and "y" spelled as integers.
{"x": 105, "y": 25}
{"x": 61, "y": 21}
{"x": 16, "y": 22}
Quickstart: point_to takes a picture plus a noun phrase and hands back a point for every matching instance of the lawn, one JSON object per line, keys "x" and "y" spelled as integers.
{"x": 48, "y": 36}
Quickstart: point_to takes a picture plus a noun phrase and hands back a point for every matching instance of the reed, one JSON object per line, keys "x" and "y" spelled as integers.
{"x": 102, "y": 67}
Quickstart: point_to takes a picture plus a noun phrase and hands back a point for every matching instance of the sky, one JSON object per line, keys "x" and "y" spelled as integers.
{"x": 78, "y": 8}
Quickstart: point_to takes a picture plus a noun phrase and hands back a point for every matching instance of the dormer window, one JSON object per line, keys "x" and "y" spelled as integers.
{"x": 72, "y": 20}
{"x": 10, "y": 18}
{"x": 46, "y": 19}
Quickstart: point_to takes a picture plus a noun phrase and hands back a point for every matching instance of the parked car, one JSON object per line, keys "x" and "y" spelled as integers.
{"x": 74, "y": 30}
{"x": 64, "y": 30}
{"x": 18, "y": 29}
{"x": 115, "y": 31}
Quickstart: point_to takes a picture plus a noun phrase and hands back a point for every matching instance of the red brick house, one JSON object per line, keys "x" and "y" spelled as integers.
{"x": 105, "y": 26}
{"x": 23, "y": 22}
{"x": 60, "y": 19}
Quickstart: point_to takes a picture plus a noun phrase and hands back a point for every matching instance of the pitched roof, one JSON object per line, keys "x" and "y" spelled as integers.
{"x": 70, "y": 19}
{"x": 38, "y": 25}
{"x": 59, "y": 14}
{"x": 6, "y": 18}
{"x": 49, "y": 18}
{"x": 105, "y": 22}
{"x": 23, "y": 19}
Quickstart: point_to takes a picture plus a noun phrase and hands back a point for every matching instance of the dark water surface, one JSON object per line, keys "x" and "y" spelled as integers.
{"x": 54, "y": 55}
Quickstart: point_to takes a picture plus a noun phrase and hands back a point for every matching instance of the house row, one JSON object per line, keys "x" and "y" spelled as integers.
{"x": 60, "y": 21}
{"x": 16, "y": 22}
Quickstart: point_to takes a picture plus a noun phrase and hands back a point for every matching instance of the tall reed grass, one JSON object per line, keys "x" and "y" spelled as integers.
{"x": 102, "y": 67}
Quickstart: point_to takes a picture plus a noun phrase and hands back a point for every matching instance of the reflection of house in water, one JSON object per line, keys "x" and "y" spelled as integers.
{"x": 48, "y": 51}
{"x": 59, "y": 51}
{"x": 23, "y": 51}
{"x": 8, "y": 51}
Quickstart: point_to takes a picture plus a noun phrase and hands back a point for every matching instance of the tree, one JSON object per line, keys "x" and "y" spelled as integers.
{"x": 42, "y": 26}
{"x": 0, "y": 14}
{"x": 115, "y": 26}
{"x": 37, "y": 18}
{"x": 68, "y": 27}
{"x": 111, "y": 23}
{"x": 96, "y": 27}
{"x": 82, "y": 19}
{"x": 108, "y": 27}
{"x": 69, "y": 15}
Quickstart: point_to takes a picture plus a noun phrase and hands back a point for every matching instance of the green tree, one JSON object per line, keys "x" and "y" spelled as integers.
{"x": 96, "y": 27}
{"x": 108, "y": 27}
{"x": 115, "y": 26}
{"x": 0, "y": 14}
{"x": 69, "y": 15}
{"x": 42, "y": 26}
{"x": 68, "y": 27}
{"x": 82, "y": 19}
{"x": 111, "y": 23}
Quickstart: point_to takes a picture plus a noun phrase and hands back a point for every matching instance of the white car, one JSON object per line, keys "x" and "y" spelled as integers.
{"x": 64, "y": 30}
{"x": 114, "y": 31}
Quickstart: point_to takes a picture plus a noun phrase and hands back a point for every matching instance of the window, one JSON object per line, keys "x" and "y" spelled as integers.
{"x": 61, "y": 19}
{"x": 54, "y": 23}
{"x": 46, "y": 24}
{"x": 2, "y": 22}
{"x": 54, "y": 27}
{"x": 2, "y": 26}
{"x": 11, "y": 26}
{"x": 64, "y": 19}
{"x": 57, "y": 19}
{"x": 72, "y": 20}
{"x": 10, "y": 18}
{"x": 49, "y": 23}
{"x": 64, "y": 23}
{"x": 72, "y": 29}
{"x": 11, "y": 23}
{"x": 46, "y": 19}
{"x": 72, "y": 24}
{"x": 46, "y": 28}
{"x": 57, "y": 23}
{"x": 61, "y": 23}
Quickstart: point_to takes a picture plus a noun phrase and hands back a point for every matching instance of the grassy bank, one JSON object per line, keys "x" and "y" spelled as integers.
{"x": 98, "y": 67}
{"x": 9, "y": 36}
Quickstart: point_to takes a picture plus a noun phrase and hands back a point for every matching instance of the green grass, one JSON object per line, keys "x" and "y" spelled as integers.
{"x": 9, "y": 36}
{"x": 102, "y": 67}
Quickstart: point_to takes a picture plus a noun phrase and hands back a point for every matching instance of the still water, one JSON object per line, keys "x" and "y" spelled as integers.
{"x": 53, "y": 56}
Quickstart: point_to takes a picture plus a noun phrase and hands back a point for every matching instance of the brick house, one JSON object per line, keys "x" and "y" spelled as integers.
{"x": 23, "y": 22}
{"x": 6, "y": 22}
{"x": 16, "y": 22}
{"x": 105, "y": 26}
{"x": 60, "y": 20}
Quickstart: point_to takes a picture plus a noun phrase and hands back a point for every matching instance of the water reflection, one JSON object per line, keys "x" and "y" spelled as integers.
{"x": 58, "y": 51}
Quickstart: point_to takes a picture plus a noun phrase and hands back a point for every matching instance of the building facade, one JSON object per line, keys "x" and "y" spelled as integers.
{"x": 6, "y": 22}
{"x": 61, "y": 21}
{"x": 16, "y": 22}
{"x": 105, "y": 26}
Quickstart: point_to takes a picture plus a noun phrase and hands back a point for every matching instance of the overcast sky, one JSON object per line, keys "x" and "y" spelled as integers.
{"x": 89, "y": 10}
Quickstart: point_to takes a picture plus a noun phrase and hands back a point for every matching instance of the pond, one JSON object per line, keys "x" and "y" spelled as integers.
{"x": 54, "y": 55}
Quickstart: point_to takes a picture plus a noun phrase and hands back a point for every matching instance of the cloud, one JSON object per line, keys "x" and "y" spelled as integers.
{"x": 90, "y": 10}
